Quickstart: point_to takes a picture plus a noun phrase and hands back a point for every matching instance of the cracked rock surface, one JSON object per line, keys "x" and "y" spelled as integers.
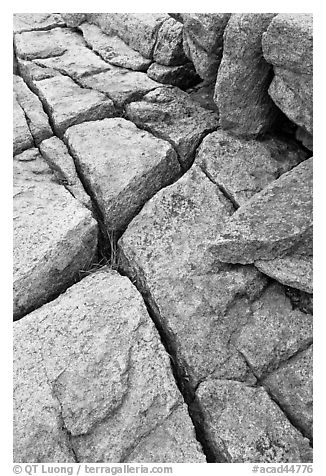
{"x": 244, "y": 424}
{"x": 102, "y": 384}
{"x": 162, "y": 217}
{"x": 54, "y": 235}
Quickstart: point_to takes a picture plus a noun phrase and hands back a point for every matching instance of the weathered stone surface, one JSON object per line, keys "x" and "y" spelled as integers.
{"x": 183, "y": 76}
{"x": 22, "y": 137}
{"x": 288, "y": 42}
{"x": 112, "y": 49}
{"x": 244, "y": 425}
{"x": 75, "y": 62}
{"x": 203, "y": 94}
{"x": 291, "y": 385}
{"x": 274, "y": 332}
{"x": 54, "y": 235}
{"x": 36, "y": 21}
{"x": 69, "y": 104}
{"x": 38, "y": 121}
{"x": 168, "y": 49}
{"x": 73, "y": 19}
{"x": 56, "y": 154}
{"x": 32, "y": 72}
{"x": 244, "y": 167}
{"x": 197, "y": 301}
{"x": 244, "y": 76}
{"x": 122, "y": 166}
{"x": 138, "y": 30}
{"x": 294, "y": 269}
{"x": 272, "y": 222}
{"x": 44, "y": 44}
{"x": 170, "y": 114}
{"x": 293, "y": 94}
{"x": 203, "y": 41}
{"x": 105, "y": 381}
{"x": 288, "y": 46}
{"x": 121, "y": 85}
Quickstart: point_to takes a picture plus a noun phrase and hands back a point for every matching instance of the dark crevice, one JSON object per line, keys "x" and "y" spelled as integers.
{"x": 260, "y": 383}
{"x": 106, "y": 241}
{"x": 222, "y": 189}
{"x": 179, "y": 373}
{"x": 300, "y": 299}
{"x": 292, "y": 420}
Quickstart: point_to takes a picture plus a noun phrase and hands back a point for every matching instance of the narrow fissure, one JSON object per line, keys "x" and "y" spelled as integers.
{"x": 260, "y": 383}
{"x": 182, "y": 383}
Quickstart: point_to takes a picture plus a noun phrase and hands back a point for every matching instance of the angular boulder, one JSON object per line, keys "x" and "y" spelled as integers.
{"x": 274, "y": 332}
{"x": 55, "y": 237}
{"x": 46, "y": 44}
{"x": 93, "y": 382}
{"x": 244, "y": 76}
{"x": 36, "y": 21}
{"x": 75, "y": 63}
{"x": 168, "y": 48}
{"x": 203, "y": 41}
{"x": 242, "y": 167}
{"x": 291, "y": 385}
{"x": 273, "y": 222}
{"x": 244, "y": 425}
{"x": 121, "y": 85}
{"x": 170, "y": 114}
{"x": 56, "y": 154}
{"x": 112, "y": 49}
{"x": 288, "y": 46}
{"x": 37, "y": 119}
{"x": 122, "y": 166}
{"x": 295, "y": 269}
{"x": 22, "y": 137}
{"x": 138, "y": 30}
{"x": 68, "y": 104}
{"x": 198, "y": 302}
{"x": 73, "y": 19}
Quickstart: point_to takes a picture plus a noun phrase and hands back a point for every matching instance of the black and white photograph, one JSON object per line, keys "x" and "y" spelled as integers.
{"x": 162, "y": 242}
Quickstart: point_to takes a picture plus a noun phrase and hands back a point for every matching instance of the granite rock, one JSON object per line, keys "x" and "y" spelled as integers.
{"x": 122, "y": 166}
{"x": 93, "y": 381}
{"x": 112, "y": 49}
{"x": 74, "y": 19}
{"x": 288, "y": 46}
{"x": 22, "y": 137}
{"x": 243, "y": 78}
{"x": 37, "y": 119}
{"x": 36, "y": 21}
{"x": 295, "y": 269}
{"x": 168, "y": 48}
{"x": 68, "y": 104}
{"x": 291, "y": 385}
{"x": 244, "y": 167}
{"x": 197, "y": 302}
{"x": 244, "y": 425}
{"x": 121, "y": 85}
{"x": 56, "y": 154}
{"x": 46, "y": 44}
{"x": 55, "y": 237}
{"x": 171, "y": 115}
{"x": 203, "y": 41}
{"x": 288, "y": 42}
{"x": 272, "y": 222}
{"x": 274, "y": 332}
{"x": 138, "y": 30}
